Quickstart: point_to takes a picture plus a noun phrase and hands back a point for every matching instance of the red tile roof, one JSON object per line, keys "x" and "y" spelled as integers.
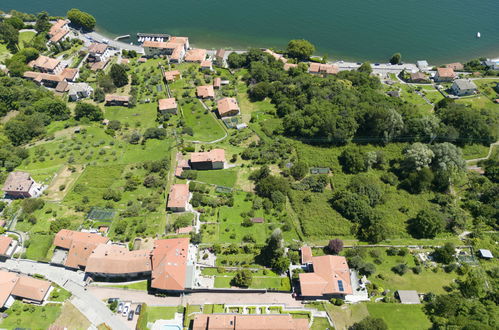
{"x": 97, "y": 48}
{"x": 167, "y": 104}
{"x": 446, "y": 72}
{"x": 248, "y": 322}
{"x": 45, "y": 62}
{"x": 18, "y": 182}
{"x": 306, "y": 254}
{"x": 172, "y": 75}
{"x": 329, "y": 272}
{"x": 215, "y": 155}
{"x": 178, "y": 196}
{"x": 195, "y": 55}
{"x": 80, "y": 245}
{"x": 323, "y": 68}
{"x": 227, "y": 106}
{"x": 169, "y": 264}
{"x": 205, "y": 92}
{"x": 5, "y": 242}
{"x": 117, "y": 259}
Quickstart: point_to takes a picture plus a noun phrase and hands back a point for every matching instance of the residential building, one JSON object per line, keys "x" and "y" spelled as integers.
{"x": 217, "y": 82}
{"x": 98, "y": 52}
{"x": 59, "y": 31}
{"x": 172, "y": 75}
{"x": 492, "y": 64}
{"x": 195, "y": 55}
{"x": 418, "y": 77}
{"x": 422, "y": 65}
{"x": 70, "y": 74}
{"x": 306, "y": 255}
{"x": 117, "y": 100}
{"x": 445, "y": 75}
{"x": 248, "y": 322}
{"x": 330, "y": 278}
{"x": 178, "y": 198}
{"x": 207, "y": 65}
{"x": 205, "y": 92}
{"x": 455, "y": 66}
{"x": 75, "y": 247}
{"x": 463, "y": 87}
{"x": 108, "y": 261}
{"x": 288, "y": 66}
{"x": 209, "y": 160}
{"x": 408, "y": 297}
{"x": 45, "y": 79}
{"x": 227, "y": 107}
{"x": 96, "y": 66}
{"x": 7, "y": 247}
{"x": 169, "y": 265}
{"x": 175, "y": 48}
{"x": 323, "y": 69}
{"x": 46, "y": 64}
{"x": 220, "y": 57}
{"x": 20, "y": 185}
{"x": 277, "y": 57}
{"x": 167, "y": 106}
{"x": 29, "y": 290}
{"x": 62, "y": 87}
{"x": 79, "y": 91}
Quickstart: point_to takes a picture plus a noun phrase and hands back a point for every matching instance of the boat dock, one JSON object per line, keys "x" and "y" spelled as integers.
{"x": 122, "y": 37}
{"x": 141, "y": 37}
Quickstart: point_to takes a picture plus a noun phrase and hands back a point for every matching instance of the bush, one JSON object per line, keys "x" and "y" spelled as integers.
{"x": 417, "y": 270}
{"x": 400, "y": 269}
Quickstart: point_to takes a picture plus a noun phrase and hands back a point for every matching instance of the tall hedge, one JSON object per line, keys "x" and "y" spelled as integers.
{"x": 81, "y": 19}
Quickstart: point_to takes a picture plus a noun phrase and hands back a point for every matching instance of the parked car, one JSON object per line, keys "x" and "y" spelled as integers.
{"x": 126, "y": 309}
{"x": 138, "y": 309}
{"x": 120, "y": 307}
{"x": 111, "y": 300}
{"x": 130, "y": 316}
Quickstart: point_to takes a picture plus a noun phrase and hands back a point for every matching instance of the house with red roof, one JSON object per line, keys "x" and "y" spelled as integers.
{"x": 169, "y": 265}
{"x": 178, "y": 198}
{"x": 208, "y": 160}
{"x": 330, "y": 278}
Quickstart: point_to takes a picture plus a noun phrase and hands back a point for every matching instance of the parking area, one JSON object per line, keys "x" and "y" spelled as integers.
{"x": 128, "y": 311}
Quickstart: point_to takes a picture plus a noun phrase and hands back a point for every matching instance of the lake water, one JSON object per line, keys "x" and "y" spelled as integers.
{"x": 437, "y": 30}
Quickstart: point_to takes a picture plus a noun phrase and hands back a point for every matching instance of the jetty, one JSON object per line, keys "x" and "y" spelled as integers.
{"x": 122, "y": 37}
{"x": 141, "y": 37}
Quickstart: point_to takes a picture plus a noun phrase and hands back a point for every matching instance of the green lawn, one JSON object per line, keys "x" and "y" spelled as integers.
{"x": 59, "y": 294}
{"x": 25, "y": 36}
{"x": 142, "y": 285}
{"x": 203, "y": 123}
{"x": 346, "y": 315}
{"x": 398, "y": 316}
{"x": 280, "y": 283}
{"x": 39, "y": 245}
{"x": 225, "y": 178}
{"x": 321, "y": 323}
{"x": 160, "y": 313}
{"x": 30, "y": 316}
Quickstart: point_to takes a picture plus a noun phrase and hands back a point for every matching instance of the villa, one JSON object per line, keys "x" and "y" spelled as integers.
{"x": 14, "y": 286}
{"x": 227, "y": 107}
{"x": 79, "y": 91}
{"x": 98, "y": 52}
{"x": 117, "y": 100}
{"x": 205, "y": 92}
{"x": 7, "y": 247}
{"x": 455, "y": 66}
{"x": 323, "y": 69}
{"x": 175, "y": 47}
{"x": 463, "y": 87}
{"x": 110, "y": 261}
{"x": 217, "y": 82}
{"x": 207, "y": 65}
{"x": 195, "y": 55}
{"x": 445, "y": 75}
{"x": 330, "y": 278}
{"x": 172, "y": 75}
{"x": 59, "y": 31}
{"x": 209, "y": 160}
{"x": 73, "y": 248}
{"x": 20, "y": 185}
{"x": 178, "y": 198}
{"x": 418, "y": 77}
{"x": 220, "y": 57}
{"x": 168, "y": 105}
{"x": 46, "y": 64}
{"x": 170, "y": 272}
{"x": 248, "y": 322}
{"x": 288, "y": 66}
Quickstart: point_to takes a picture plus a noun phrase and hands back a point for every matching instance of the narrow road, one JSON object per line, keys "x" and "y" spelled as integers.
{"x": 491, "y": 148}
{"x": 89, "y": 305}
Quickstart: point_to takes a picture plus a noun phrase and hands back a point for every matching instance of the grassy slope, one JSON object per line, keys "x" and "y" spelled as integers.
{"x": 34, "y": 317}
{"x": 398, "y": 316}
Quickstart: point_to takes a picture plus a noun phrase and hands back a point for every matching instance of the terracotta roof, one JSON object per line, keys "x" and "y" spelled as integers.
{"x": 418, "y": 76}
{"x": 205, "y": 92}
{"x": 117, "y": 259}
{"x": 195, "y": 55}
{"x": 306, "y": 254}
{"x": 206, "y": 64}
{"x": 69, "y": 73}
{"x": 169, "y": 264}
{"x": 215, "y": 155}
{"x": 167, "y": 104}
{"x": 177, "y": 53}
{"x": 40, "y": 76}
{"x": 248, "y": 322}
{"x": 172, "y": 75}
{"x": 59, "y": 35}
{"x": 8, "y": 281}
{"x": 288, "y": 66}
{"x": 62, "y": 87}
{"x": 31, "y": 288}
{"x": 330, "y": 274}
{"x": 155, "y": 44}
{"x": 455, "y": 66}
{"x": 125, "y": 61}
{"x": 323, "y": 68}
{"x": 18, "y": 182}
{"x": 45, "y": 63}
{"x": 446, "y": 72}
{"x": 227, "y": 105}
{"x": 220, "y": 53}
{"x": 278, "y": 57}
{"x": 217, "y": 82}
{"x": 99, "y": 65}
{"x": 117, "y": 98}
{"x": 97, "y": 48}
{"x": 178, "y": 196}
{"x": 58, "y": 30}
{"x": 5, "y": 242}
{"x": 258, "y": 220}
{"x": 79, "y": 244}
{"x": 184, "y": 230}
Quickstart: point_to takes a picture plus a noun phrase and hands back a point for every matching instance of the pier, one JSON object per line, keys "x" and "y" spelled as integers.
{"x": 122, "y": 37}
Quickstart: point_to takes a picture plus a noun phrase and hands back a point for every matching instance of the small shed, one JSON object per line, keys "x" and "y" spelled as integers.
{"x": 408, "y": 296}
{"x": 319, "y": 170}
{"x": 486, "y": 254}
{"x": 257, "y": 220}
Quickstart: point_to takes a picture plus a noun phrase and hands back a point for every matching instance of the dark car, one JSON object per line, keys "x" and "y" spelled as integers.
{"x": 130, "y": 316}
{"x": 376, "y": 64}
{"x": 111, "y": 300}
{"x": 138, "y": 309}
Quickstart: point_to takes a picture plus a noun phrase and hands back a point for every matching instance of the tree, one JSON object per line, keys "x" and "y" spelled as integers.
{"x": 155, "y": 133}
{"x": 266, "y": 186}
{"x": 299, "y": 170}
{"x": 370, "y": 323}
{"x": 10, "y": 36}
{"x": 335, "y": 246}
{"x": 353, "y": 161}
{"x": 474, "y": 284}
{"x": 243, "y": 278}
{"x": 16, "y": 22}
{"x": 427, "y": 224}
{"x": 260, "y": 91}
{"x": 99, "y": 95}
{"x": 396, "y": 58}
{"x": 417, "y": 156}
{"x": 87, "y": 110}
{"x": 365, "y": 68}
{"x": 300, "y": 49}
{"x": 445, "y": 254}
{"x": 57, "y": 225}
{"x": 448, "y": 158}
{"x": 53, "y": 107}
{"x": 351, "y": 206}
{"x": 118, "y": 75}
{"x": 368, "y": 186}
{"x": 81, "y": 19}
{"x": 42, "y": 22}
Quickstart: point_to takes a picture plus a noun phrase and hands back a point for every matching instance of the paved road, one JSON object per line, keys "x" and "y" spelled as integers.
{"x": 90, "y": 306}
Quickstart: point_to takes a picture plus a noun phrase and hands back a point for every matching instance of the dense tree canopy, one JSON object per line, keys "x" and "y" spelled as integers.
{"x": 87, "y": 110}
{"x": 300, "y": 49}
{"x": 81, "y": 19}
{"x": 118, "y": 75}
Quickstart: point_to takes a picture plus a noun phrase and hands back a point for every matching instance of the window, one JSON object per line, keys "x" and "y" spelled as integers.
{"x": 340, "y": 285}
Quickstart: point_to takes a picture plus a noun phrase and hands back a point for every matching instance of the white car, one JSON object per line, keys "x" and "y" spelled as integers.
{"x": 126, "y": 309}
{"x": 120, "y": 307}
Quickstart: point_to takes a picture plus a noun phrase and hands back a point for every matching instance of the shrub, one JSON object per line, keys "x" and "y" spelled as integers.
{"x": 400, "y": 269}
